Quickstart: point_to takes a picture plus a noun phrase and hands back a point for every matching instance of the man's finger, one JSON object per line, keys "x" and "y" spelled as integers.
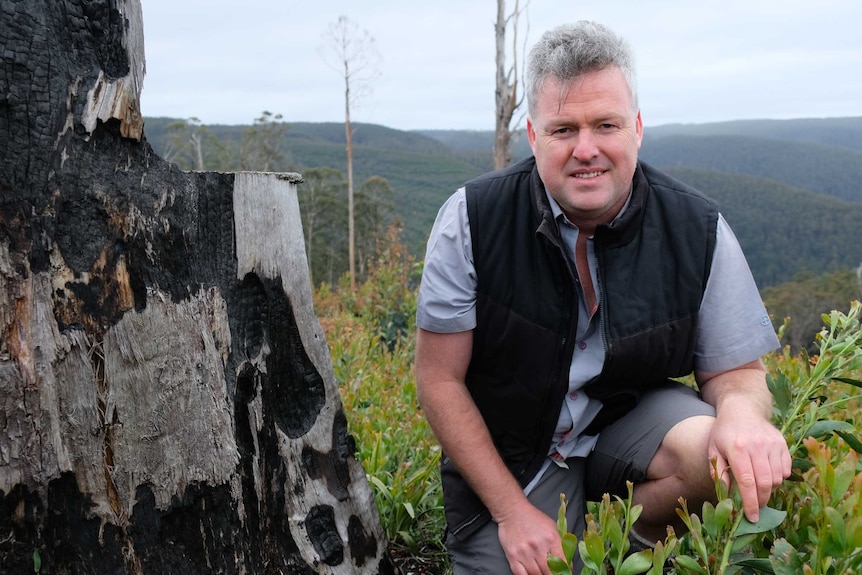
{"x": 743, "y": 475}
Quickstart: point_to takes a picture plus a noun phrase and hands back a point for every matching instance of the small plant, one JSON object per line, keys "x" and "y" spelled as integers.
{"x": 803, "y": 406}
{"x": 560, "y": 566}
{"x": 605, "y": 545}
{"x": 721, "y": 540}
{"x": 824, "y": 535}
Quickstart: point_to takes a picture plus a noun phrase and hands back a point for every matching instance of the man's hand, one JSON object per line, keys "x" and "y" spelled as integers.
{"x": 750, "y": 449}
{"x": 527, "y": 535}
{"x": 743, "y": 443}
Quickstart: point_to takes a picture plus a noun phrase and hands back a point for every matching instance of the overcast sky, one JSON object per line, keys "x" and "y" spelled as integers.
{"x": 698, "y": 61}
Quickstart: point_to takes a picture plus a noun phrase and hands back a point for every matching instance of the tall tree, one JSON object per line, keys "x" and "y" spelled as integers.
{"x": 192, "y": 146}
{"x": 321, "y": 204}
{"x": 167, "y": 399}
{"x": 352, "y": 52}
{"x": 373, "y": 211}
{"x": 261, "y": 144}
{"x": 507, "y": 98}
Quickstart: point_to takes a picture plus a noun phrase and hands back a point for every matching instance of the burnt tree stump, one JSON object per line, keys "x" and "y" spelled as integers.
{"x": 167, "y": 401}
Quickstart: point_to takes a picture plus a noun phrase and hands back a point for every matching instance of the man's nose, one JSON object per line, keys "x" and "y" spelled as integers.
{"x": 586, "y": 147}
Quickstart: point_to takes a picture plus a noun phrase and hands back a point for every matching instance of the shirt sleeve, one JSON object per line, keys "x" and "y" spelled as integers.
{"x": 447, "y": 293}
{"x": 734, "y": 327}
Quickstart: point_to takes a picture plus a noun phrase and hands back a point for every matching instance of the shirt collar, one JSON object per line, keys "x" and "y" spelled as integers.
{"x": 560, "y": 217}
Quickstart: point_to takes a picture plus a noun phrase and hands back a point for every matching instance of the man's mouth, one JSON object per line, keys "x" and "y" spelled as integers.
{"x": 587, "y": 175}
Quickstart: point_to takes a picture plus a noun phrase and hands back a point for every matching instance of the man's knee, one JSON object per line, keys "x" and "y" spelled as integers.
{"x": 684, "y": 452}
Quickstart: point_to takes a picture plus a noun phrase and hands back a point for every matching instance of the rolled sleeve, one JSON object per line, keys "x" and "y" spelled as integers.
{"x": 447, "y": 293}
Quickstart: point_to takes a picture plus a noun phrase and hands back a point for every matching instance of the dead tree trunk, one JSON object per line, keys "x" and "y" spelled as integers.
{"x": 506, "y": 98}
{"x": 167, "y": 402}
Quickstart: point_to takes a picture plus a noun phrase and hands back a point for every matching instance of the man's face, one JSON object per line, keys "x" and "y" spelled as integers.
{"x": 585, "y": 137}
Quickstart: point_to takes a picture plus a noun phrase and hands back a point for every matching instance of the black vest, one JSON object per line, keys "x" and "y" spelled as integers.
{"x": 653, "y": 265}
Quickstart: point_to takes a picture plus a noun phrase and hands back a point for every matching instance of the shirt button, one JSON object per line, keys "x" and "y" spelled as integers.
{"x": 582, "y": 345}
{"x": 573, "y": 396}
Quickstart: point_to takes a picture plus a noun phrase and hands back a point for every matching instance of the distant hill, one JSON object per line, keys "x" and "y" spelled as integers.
{"x": 795, "y": 203}
{"x": 818, "y": 168}
{"x": 783, "y": 230}
{"x": 841, "y": 132}
{"x": 422, "y": 171}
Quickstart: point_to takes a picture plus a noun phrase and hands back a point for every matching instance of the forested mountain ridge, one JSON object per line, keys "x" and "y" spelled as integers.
{"x": 422, "y": 171}
{"x": 783, "y": 228}
{"x": 841, "y": 132}
{"x": 818, "y": 168}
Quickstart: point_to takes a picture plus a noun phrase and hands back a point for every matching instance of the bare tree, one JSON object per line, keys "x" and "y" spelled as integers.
{"x": 192, "y": 146}
{"x": 260, "y": 149}
{"x": 507, "y": 98}
{"x": 352, "y": 52}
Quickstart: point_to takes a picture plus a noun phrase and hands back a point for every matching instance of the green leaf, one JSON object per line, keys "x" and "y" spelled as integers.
{"x": 781, "y": 390}
{"x": 851, "y": 440}
{"x": 785, "y": 558}
{"x": 743, "y": 541}
{"x": 635, "y": 513}
{"x": 635, "y": 563}
{"x": 595, "y": 548}
{"x": 825, "y": 427}
{"x": 837, "y": 528}
{"x": 708, "y": 518}
{"x": 570, "y": 545}
{"x": 769, "y": 519}
{"x": 558, "y": 566}
{"x": 759, "y": 564}
{"x": 613, "y": 533}
{"x": 689, "y": 563}
{"x": 562, "y": 524}
{"x": 410, "y": 511}
{"x": 722, "y": 512}
{"x": 37, "y": 561}
{"x": 586, "y": 559}
{"x": 379, "y": 485}
{"x": 855, "y": 382}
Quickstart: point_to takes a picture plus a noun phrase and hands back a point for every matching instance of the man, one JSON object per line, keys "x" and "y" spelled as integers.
{"x": 558, "y": 297}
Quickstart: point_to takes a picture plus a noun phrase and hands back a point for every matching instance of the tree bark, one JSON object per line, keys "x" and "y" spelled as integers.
{"x": 167, "y": 401}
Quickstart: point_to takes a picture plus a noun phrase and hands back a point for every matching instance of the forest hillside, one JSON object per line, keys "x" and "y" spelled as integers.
{"x": 791, "y": 189}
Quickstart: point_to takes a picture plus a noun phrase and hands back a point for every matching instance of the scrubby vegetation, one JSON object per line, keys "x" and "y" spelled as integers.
{"x": 815, "y": 522}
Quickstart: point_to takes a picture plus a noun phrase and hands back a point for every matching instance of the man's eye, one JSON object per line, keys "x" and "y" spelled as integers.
{"x": 561, "y": 131}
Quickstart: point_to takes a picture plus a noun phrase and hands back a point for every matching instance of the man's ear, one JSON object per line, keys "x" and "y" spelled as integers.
{"x": 531, "y": 134}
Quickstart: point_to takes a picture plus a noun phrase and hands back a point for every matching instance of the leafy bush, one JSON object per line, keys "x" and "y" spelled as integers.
{"x": 815, "y": 523}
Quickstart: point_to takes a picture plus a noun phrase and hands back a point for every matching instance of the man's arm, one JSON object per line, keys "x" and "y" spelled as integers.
{"x": 526, "y": 534}
{"x": 743, "y": 439}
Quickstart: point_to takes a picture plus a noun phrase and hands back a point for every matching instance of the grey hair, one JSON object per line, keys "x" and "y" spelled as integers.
{"x": 571, "y": 50}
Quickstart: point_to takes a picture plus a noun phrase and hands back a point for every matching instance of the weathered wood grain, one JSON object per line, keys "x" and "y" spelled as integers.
{"x": 167, "y": 401}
